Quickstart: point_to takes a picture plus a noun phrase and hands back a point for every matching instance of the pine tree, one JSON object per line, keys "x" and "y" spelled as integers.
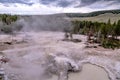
{"x": 117, "y": 29}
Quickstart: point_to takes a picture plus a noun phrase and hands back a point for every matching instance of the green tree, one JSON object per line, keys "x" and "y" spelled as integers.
{"x": 117, "y": 29}
{"x": 109, "y": 27}
{"x": 113, "y": 27}
{"x": 104, "y": 30}
{"x": 76, "y": 26}
{"x": 8, "y": 19}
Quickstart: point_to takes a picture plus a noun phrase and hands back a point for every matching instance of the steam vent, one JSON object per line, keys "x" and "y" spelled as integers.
{"x": 59, "y": 40}
{"x": 46, "y": 56}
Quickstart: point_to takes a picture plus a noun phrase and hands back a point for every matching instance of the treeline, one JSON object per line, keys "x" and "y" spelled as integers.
{"x": 8, "y": 19}
{"x": 92, "y": 14}
{"x": 104, "y": 33}
{"x": 8, "y": 23}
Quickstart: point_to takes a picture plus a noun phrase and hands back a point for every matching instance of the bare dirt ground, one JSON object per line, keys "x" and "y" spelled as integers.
{"x": 30, "y": 58}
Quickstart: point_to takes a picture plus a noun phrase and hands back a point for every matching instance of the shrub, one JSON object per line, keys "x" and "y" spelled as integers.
{"x": 6, "y": 29}
{"x": 111, "y": 43}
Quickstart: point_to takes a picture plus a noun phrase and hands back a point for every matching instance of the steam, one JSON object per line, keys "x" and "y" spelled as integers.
{"x": 29, "y": 64}
{"x": 56, "y": 22}
{"x": 47, "y": 55}
{"x": 21, "y": 68}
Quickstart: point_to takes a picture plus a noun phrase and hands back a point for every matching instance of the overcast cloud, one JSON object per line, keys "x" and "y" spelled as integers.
{"x": 56, "y": 6}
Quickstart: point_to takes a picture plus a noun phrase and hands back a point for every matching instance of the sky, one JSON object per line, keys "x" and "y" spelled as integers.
{"x": 24, "y": 7}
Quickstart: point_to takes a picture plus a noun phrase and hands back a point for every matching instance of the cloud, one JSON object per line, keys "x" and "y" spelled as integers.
{"x": 56, "y": 6}
{"x": 103, "y": 4}
{"x": 66, "y": 3}
{"x": 26, "y": 9}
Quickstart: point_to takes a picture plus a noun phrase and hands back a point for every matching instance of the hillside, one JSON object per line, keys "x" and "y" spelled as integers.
{"x": 92, "y": 14}
{"x": 100, "y": 16}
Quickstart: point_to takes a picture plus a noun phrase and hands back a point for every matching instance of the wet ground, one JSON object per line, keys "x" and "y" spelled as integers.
{"x": 39, "y": 56}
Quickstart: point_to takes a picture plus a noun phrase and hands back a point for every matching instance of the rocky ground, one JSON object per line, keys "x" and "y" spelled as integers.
{"x": 37, "y": 56}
